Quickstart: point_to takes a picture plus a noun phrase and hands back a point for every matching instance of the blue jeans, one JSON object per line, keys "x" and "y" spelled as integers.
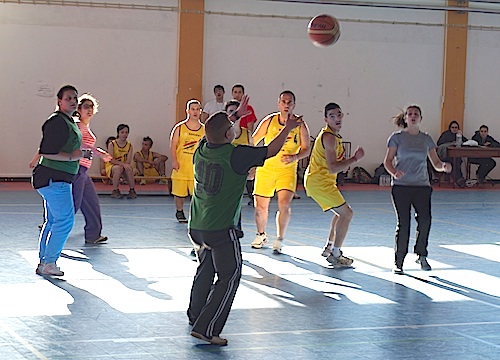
{"x": 59, "y": 220}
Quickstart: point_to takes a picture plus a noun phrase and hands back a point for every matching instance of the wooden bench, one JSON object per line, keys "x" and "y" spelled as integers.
{"x": 137, "y": 177}
{"x": 152, "y": 188}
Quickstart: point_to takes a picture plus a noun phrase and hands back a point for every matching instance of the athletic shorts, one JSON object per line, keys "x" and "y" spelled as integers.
{"x": 326, "y": 194}
{"x": 151, "y": 172}
{"x": 182, "y": 188}
{"x": 269, "y": 181}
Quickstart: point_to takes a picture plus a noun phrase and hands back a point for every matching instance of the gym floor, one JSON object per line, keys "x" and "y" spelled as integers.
{"x": 127, "y": 299}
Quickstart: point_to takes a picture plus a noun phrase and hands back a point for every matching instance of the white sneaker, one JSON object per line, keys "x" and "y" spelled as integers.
{"x": 49, "y": 269}
{"x": 277, "y": 246}
{"x": 260, "y": 241}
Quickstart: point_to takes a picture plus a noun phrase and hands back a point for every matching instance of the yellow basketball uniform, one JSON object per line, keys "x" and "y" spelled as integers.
{"x": 183, "y": 179}
{"x": 149, "y": 170}
{"x": 243, "y": 139}
{"x": 275, "y": 175}
{"x": 320, "y": 184}
{"x": 119, "y": 153}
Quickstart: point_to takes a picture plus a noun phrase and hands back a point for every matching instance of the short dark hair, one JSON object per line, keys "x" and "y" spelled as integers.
{"x": 64, "y": 89}
{"x": 331, "y": 106}
{"x": 484, "y": 127}
{"x": 219, "y": 87}
{"x": 121, "y": 127}
{"x": 231, "y": 102}
{"x": 147, "y": 138}
{"x": 287, "y": 92}
{"x": 238, "y": 86}
{"x": 215, "y": 127}
{"x": 191, "y": 102}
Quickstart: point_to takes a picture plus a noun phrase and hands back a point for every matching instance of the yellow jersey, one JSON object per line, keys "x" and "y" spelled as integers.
{"x": 290, "y": 147}
{"x": 318, "y": 168}
{"x": 186, "y": 145}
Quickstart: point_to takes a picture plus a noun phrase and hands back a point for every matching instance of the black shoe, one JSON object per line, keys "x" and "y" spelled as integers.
{"x": 99, "y": 240}
{"x": 422, "y": 260}
{"x": 398, "y": 270}
{"x": 179, "y": 215}
{"x": 461, "y": 183}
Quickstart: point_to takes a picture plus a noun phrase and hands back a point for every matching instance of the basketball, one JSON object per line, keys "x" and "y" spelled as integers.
{"x": 323, "y": 30}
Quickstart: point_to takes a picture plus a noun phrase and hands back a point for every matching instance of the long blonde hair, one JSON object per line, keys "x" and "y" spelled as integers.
{"x": 399, "y": 119}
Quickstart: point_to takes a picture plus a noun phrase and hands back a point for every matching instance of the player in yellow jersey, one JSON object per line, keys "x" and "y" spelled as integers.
{"x": 120, "y": 165}
{"x": 148, "y": 162}
{"x": 184, "y": 140}
{"x": 279, "y": 174}
{"x": 320, "y": 180}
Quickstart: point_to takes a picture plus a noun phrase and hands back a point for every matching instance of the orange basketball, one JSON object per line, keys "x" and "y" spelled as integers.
{"x": 323, "y": 30}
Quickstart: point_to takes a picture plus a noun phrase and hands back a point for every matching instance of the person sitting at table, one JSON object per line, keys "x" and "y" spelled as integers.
{"x": 448, "y": 138}
{"x": 485, "y": 164}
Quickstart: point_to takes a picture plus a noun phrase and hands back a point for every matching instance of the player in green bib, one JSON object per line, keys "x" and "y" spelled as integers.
{"x": 220, "y": 172}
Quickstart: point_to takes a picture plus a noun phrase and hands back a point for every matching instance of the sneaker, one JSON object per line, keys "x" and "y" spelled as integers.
{"x": 49, "y": 269}
{"x": 250, "y": 203}
{"x": 422, "y": 260}
{"x": 116, "y": 194}
{"x": 214, "y": 340}
{"x": 471, "y": 182}
{"x": 341, "y": 261}
{"x": 143, "y": 182}
{"x": 327, "y": 251}
{"x": 38, "y": 270}
{"x": 259, "y": 241}
{"x": 99, "y": 240}
{"x": 397, "y": 270}
{"x": 132, "y": 194}
{"x": 277, "y": 246}
{"x": 179, "y": 215}
{"x": 163, "y": 181}
{"x": 460, "y": 183}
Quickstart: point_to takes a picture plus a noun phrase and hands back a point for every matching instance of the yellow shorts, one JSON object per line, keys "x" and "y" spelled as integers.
{"x": 182, "y": 188}
{"x": 151, "y": 172}
{"x": 108, "y": 167}
{"x": 326, "y": 194}
{"x": 269, "y": 181}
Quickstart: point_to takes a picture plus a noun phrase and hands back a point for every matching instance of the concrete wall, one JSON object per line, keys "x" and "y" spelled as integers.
{"x": 127, "y": 58}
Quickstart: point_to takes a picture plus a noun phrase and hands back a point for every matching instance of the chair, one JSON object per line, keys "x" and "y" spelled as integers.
{"x": 468, "y": 166}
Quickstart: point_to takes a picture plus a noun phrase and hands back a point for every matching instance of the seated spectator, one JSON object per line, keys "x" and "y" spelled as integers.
{"x": 485, "y": 164}
{"x": 149, "y": 163}
{"x": 119, "y": 166}
{"x": 447, "y": 138}
{"x": 102, "y": 166}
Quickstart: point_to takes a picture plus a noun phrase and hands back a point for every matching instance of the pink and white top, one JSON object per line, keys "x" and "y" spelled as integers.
{"x": 88, "y": 141}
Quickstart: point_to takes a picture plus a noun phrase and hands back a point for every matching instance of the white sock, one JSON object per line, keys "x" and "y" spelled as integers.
{"x": 336, "y": 252}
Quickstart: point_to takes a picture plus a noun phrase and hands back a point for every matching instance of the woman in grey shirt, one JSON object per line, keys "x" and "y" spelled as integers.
{"x": 406, "y": 162}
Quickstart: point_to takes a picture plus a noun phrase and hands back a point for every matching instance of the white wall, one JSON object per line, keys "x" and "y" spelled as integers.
{"x": 370, "y": 72}
{"x": 127, "y": 58}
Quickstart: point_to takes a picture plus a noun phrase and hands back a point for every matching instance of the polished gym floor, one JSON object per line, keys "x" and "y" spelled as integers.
{"x": 126, "y": 299}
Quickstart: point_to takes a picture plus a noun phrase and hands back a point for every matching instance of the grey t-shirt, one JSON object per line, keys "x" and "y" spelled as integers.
{"x": 411, "y": 157}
